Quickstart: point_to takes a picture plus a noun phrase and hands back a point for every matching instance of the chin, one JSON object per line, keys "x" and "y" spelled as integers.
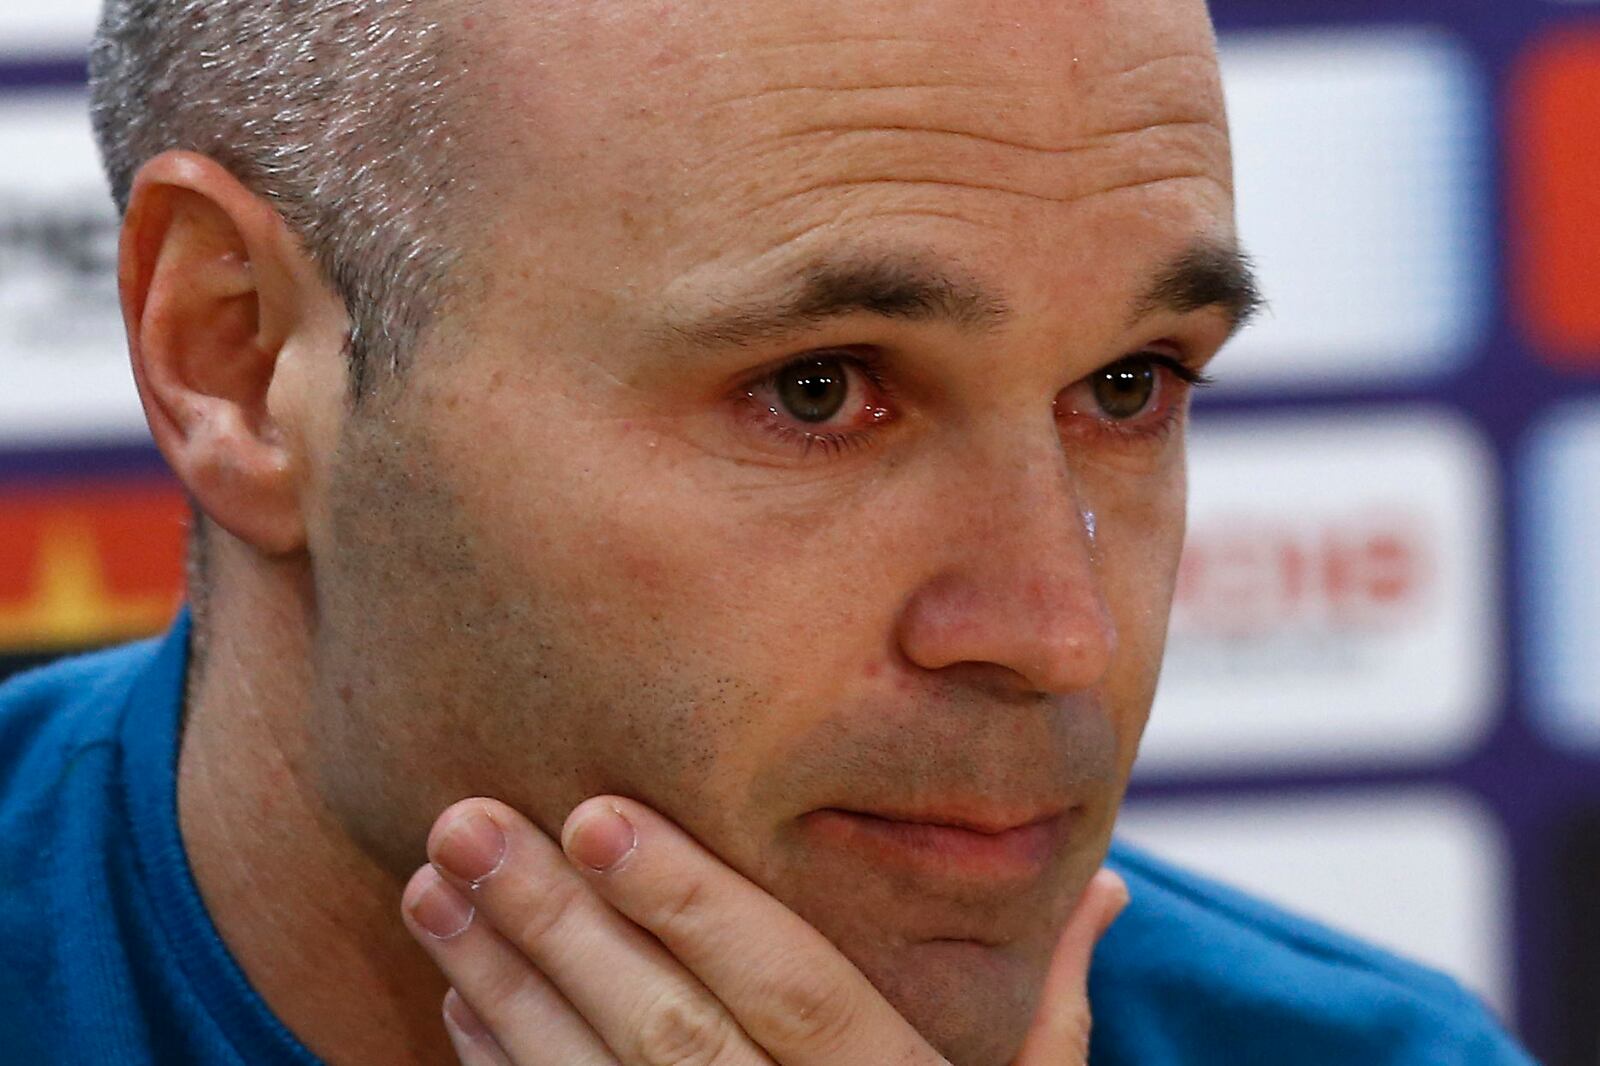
{"x": 974, "y": 1003}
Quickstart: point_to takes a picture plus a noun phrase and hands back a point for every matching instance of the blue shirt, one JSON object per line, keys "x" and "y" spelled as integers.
{"x": 107, "y": 954}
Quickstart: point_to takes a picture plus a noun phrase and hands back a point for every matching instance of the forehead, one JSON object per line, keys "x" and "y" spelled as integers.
{"x": 692, "y": 138}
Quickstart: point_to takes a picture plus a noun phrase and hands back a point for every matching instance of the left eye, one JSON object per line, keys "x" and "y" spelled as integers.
{"x": 1124, "y": 390}
{"x": 1130, "y": 392}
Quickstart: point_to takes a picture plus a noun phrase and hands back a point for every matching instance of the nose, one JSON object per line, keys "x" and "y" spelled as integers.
{"x": 1018, "y": 586}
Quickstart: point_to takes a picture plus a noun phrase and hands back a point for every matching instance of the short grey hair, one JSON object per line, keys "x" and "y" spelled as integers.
{"x": 335, "y": 110}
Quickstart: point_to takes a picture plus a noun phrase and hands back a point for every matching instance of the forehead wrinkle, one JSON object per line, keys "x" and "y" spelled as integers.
{"x": 974, "y": 186}
{"x": 1053, "y": 113}
{"x": 1088, "y": 140}
{"x": 1194, "y": 92}
{"x": 778, "y": 93}
{"x": 828, "y": 45}
{"x": 1065, "y": 176}
{"x": 1098, "y": 140}
{"x": 788, "y": 67}
{"x": 1144, "y": 66}
{"x": 784, "y": 238}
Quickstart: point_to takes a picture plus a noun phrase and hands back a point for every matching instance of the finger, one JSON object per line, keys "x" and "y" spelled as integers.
{"x": 796, "y": 995}
{"x": 527, "y": 1017}
{"x": 644, "y": 1004}
{"x": 1060, "y": 1032}
{"x": 475, "y": 1045}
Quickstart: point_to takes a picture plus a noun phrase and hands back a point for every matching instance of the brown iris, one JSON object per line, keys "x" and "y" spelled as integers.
{"x": 813, "y": 390}
{"x": 1124, "y": 390}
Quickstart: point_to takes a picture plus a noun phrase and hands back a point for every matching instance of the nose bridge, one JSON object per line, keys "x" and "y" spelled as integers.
{"x": 1040, "y": 544}
{"x": 1021, "y": 585}
{"x": 1034, "y": 497}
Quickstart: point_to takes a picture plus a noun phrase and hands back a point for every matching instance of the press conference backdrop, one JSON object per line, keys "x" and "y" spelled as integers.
{"x": 1382, "y": 701}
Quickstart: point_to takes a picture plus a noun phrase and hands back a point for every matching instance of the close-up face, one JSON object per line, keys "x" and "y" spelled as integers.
{"x": 805, "y": 458}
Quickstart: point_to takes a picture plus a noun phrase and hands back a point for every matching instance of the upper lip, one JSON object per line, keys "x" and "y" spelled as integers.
{"x": 988, "y": 820}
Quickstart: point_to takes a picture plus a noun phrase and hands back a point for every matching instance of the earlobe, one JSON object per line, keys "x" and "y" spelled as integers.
{"x": 211, "y": 290}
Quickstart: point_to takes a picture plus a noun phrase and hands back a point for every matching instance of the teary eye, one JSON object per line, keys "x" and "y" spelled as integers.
{"x": 812, "y": 390}
{"x": 1139, "y": 397}
{"x": 1124, "y": 389}
{"x": 830, "y": 400}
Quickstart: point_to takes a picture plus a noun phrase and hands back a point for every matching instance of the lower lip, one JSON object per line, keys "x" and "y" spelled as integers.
{"x": 1022, "y": 853}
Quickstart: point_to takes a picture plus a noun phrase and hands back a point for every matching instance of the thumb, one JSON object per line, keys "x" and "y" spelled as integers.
{"x": 1060, "y": 1033}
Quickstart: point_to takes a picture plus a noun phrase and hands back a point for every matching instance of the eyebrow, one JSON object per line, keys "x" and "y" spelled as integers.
{"x": 904, "y": 287}
{"x": 1208, "y": 274}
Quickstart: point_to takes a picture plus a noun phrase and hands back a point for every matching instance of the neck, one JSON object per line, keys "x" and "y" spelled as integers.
{"x": 311, "y": 918}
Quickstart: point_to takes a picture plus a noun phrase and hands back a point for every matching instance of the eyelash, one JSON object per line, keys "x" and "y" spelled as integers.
{"x": 870, "y": 364}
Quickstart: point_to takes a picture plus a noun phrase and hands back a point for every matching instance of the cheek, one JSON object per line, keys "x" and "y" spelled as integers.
{"x": 744, "y": 604}
{"x": 1138, "y": 523}
{"x": 1140, "y": 543}
{"x": 779, "y": 607}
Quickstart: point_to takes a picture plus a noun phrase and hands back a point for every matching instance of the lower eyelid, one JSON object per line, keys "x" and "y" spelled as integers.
{"x": 763, "y": 418}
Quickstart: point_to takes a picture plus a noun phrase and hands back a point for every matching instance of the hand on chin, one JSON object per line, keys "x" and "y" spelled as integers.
{"x": 631, "y": 944}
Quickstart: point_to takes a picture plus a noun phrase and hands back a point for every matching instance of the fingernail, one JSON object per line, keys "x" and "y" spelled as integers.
{"x": 472, "y": 848}
{"x": 602, "y": 839}
{"x": 459, "y": 1014}
{"x": 440, "y": 910}
{"x": 1120, "y": 898}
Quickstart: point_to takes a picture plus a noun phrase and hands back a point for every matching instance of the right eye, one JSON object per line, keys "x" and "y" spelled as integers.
{"x": 813, "y": 390}
{"x": 827, "y": 399}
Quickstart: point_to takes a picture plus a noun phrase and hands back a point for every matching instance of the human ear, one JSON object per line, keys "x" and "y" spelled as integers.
{"x": 215, "y": 290}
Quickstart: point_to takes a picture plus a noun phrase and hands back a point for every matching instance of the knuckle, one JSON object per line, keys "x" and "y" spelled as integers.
{"x": 806, "y": 1009}
{"x": 501, "y": 993}
{"x": 543, "y": 911}
{"x": 681, "y": 1029}
{"x": 680, "y": 914}
{"x": 1079, "y": 1019}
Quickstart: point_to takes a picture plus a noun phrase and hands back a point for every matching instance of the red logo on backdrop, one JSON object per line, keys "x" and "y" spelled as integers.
{"x": 1254, "y": 577}
{"x": 89, "y": 564}
{"x": 1553, "y": 143}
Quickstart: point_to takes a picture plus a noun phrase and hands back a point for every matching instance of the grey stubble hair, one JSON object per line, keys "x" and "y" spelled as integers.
{"x": 337, "y": 111}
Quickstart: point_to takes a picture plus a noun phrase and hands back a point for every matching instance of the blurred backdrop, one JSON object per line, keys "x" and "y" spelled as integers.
{"x": 1382, "y": 702}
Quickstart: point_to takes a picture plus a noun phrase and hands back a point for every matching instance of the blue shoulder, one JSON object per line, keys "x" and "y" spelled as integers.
{"x": 50, "y": 714}
{"x": 1195, "y": 972}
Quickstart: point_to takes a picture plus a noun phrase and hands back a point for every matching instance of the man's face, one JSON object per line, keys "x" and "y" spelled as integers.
{"x": 771, "y": 473}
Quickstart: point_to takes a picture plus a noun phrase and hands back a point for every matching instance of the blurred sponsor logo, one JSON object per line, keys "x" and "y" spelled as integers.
{"x": 88, "y": 565}
{"x": 1563, "y": 573}
{"x": 1256, "y": 579}
{"x": 1424, "y": 872}
{"x": 1554, "y": 157}
{"x": 63, "y": 356}
{"x": 1335, "y": 604}
{"x": 32, "y": 27}
{"x": 1360, "y": 160}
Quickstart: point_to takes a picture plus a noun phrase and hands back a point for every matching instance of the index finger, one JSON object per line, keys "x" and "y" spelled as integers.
{"x": 788, "y": 987}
